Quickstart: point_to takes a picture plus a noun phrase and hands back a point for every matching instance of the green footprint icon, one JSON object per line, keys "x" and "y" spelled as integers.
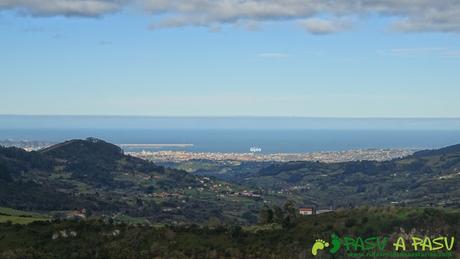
{"x": 336, "y": 244}
{"x": 318, "y": 245}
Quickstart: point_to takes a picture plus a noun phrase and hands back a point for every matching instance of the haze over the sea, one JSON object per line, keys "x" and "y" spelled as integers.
{"x": 224, "y": 122}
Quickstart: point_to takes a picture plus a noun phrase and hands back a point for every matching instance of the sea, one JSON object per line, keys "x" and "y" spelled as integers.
{"x": 240, "y": 140}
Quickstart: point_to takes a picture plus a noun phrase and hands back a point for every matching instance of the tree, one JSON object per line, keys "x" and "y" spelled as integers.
{"x": 278, "y": 215}
{"x": 265, "y": 215}
{"x": 290, "y": 213}
{"x": 214, "y": 222}
{"x": 290, "y": 209}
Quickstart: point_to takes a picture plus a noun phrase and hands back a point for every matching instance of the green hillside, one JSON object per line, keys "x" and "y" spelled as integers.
{"x": 95, "y": 175}
{"x": 427, "y": 178}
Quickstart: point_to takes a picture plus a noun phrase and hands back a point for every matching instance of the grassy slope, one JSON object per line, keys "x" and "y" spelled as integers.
{"x": 20, "y": 217}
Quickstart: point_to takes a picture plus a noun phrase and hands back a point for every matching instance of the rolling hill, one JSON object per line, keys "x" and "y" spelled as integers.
{"x": 426, "y": 178}
{"x": 97, "y": 176}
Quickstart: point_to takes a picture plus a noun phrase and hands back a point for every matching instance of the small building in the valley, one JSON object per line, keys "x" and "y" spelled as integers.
{"x": 323, "y": 211}
{"x": 306, "y": 211}
{"x": 76, "y": 214}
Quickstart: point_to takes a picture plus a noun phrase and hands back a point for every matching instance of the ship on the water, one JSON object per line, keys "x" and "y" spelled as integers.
{"x": 255, "y": 149}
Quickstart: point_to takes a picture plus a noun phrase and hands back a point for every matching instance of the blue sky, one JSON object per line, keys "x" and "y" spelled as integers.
{"x": 120, "y": 60}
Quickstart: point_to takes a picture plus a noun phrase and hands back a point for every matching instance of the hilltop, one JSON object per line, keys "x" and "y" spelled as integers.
{"x": 97, "y": 176}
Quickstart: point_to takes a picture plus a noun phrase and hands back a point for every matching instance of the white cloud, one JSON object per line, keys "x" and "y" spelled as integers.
{"x": 88, "y": 8}
{"x": 324, "y": 26}
{"x": 411, "y": 15}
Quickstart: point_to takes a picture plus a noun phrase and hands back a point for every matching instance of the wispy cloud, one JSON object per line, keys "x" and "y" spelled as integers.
{"x": 452, "y": 53}
{"x": 273, "y": 55}
{"x": 422, "y": 52}
{"x": 33, "y": 29}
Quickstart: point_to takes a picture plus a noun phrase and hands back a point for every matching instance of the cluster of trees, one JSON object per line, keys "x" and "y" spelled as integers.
{"x": 14, "y": 161}
{"x": 285, "y": 216}
{"x": 98, "y": 239}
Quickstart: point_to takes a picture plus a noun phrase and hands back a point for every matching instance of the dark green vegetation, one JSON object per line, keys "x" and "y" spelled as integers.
{"x": 98, "y": 177}
{"x": 95, "y": 239}
{"x": 427, "y": 178}
{"x": 136, "y": 209}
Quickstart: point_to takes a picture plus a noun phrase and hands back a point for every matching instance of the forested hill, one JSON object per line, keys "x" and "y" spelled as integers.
{"x": 450, "y": 151}
{"x": 92, "y": 160}
{"x": 426, "y": 178}
{"x": 97, "y": 176}
{"x": 98, "y": 163}
{"x": 91, "y": 148}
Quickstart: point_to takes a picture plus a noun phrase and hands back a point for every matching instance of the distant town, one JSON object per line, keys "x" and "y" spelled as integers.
{"x": 327, "y": 157}
{"x": 28, "y": 145}
{"x": 253, "y": 154}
